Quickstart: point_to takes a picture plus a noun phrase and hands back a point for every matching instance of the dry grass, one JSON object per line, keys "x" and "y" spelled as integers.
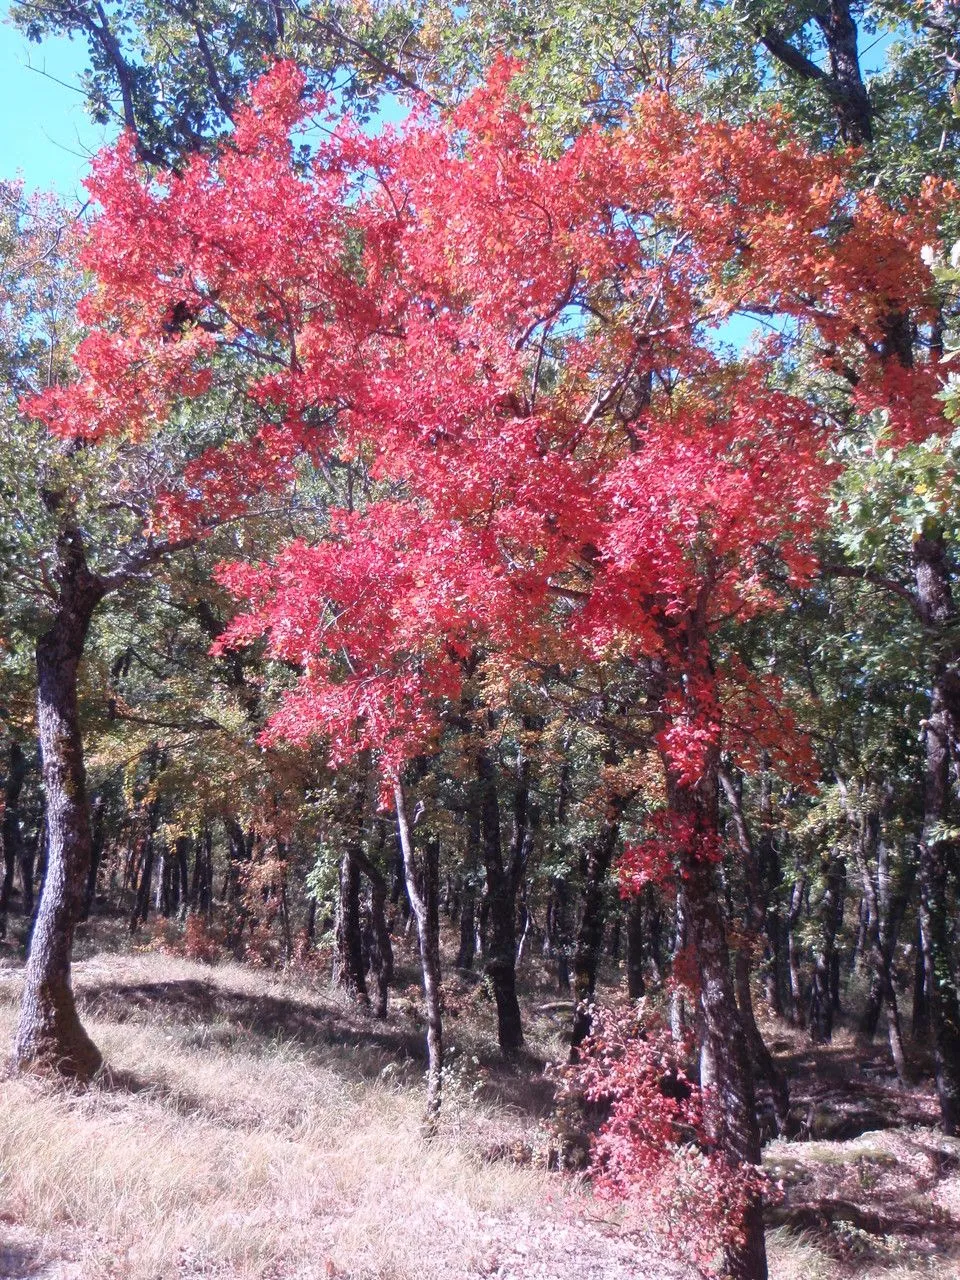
{"x": 251, "y": 1126}
{"x": 221, "y": 1146}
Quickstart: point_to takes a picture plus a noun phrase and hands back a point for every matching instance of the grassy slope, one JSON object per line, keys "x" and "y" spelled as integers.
{"x": 251, "y": 1127}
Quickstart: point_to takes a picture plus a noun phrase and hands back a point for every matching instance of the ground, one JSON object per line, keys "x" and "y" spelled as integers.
{"x": 256, "y": 1126}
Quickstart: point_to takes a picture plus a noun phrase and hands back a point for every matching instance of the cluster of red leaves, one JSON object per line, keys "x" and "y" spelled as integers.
{"x": 653, "y": 1150}
{"x": 519, "y": 344}
{"x": 676, "y": 843}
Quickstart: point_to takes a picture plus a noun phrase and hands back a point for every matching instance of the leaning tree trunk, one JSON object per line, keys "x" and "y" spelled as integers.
{"x": 50, "y": 1035}
{"x": 416, "y": 874}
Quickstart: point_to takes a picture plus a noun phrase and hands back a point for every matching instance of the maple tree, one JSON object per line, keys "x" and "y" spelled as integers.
{"x": 522, "y": 348}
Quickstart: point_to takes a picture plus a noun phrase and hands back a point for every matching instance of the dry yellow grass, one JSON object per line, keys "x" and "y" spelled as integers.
{"x": 218, "y": 1151}
{"x": 253, "y": 1127}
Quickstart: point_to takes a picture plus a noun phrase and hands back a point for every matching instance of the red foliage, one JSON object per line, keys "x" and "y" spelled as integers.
{"x": 519, "y": 345}
{"x": 653, "y": 1150}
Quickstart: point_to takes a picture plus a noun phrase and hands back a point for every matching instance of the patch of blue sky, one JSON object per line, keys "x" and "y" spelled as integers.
{"x": 747, "y": 328}
{"x": 46, "y": 136}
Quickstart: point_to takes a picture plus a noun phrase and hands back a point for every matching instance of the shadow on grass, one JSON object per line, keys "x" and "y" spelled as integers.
{"x": 354, "y": 1045}
{"x": 220, "y": 1019}
{"x": 840, "y": 1091}
{"x": 18, "y": 1262}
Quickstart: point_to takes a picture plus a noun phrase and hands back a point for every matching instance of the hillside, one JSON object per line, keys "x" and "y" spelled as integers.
{"x": 251, "y": 1125}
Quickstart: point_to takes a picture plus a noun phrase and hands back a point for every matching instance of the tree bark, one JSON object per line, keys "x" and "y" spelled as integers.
{"x": 733, "y": 1121}
{"x": 467, "y": 950}
{"x": 50, "y": 1035}
{"x": 937, "y": 851}
{"x": 830, "y": 912}
{"x": 349, "y": 934}
{"x": 595, "y": 867}
{"x": 13, "y": 842}
{"x": 416, "y": 873}
{"x": 381, "y": 951}
{"x": 500, "y": 958}
{"x": 636, "y": 986}
{"x": 761, "y": 1057}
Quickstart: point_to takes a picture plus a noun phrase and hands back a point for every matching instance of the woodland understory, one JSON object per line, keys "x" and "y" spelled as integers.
{"x": 479, "y": 645}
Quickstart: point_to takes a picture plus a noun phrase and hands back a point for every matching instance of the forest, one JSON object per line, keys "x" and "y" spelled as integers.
{"x": 480, "y": 645}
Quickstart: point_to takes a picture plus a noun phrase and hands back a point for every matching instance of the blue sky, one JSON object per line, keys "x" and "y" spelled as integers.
{"x": 45, "y": 133}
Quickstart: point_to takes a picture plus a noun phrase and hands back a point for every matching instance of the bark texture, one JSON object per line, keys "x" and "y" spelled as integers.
{"x": 50, "y": 1035}
{"x": 419, "y": 891}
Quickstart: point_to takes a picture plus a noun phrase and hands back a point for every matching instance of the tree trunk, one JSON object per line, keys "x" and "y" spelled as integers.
{"x": 50, "y": 1035}
{"x": 734, "y": 1119}
{"x": 937, "y": 851}
{"x": 182, "y": 853}
{"x": 920, "y": 1016}
{"x": 636, "y": 987}
{"x": 28, "y": 869}
{"x": 381, "y": 950}
{"x": 884, "y": 913}
{"x": 500, "y": 959}
{"x": 416, "y": 874}
{"x": 349, "y": 935}
{"x": 761, "y": 1058}
{"x": 595, "y": 867}
{"x": 829, "y": 912}
{"x": 13, "y": 843}
{"x": 467, "y": 949}
{"x": 96, "y": 853}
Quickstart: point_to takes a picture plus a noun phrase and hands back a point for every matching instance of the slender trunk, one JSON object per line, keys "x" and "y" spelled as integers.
{"x": 28, "y": 869}
{"x": 678, "y": 1004}
{"x": 653, "y": 915}
{"x": 797, "y": 894}
{"x": 830, "y": 910}
{"x": 96, "y": 853}
{"x": 13, "y": 842}
{"x": 562, "y": 935}
{"x": 500, "y": 958}
{"x": 920, "y": 1017}
{"x": 50, "y": 1035}
{"x": 636, "y": 987}
{"x": 468, "y": 896}
{"x": 416, "y": 873}
{"x": 141, "y": 906}
{"x": 883, "y": 915}
{"x": 560, "y": 929}
{"x": 770, "y": 878}
{"x": 239, "y": 853}
{"x": 182, "y": 849}
{"x": 381, "y": 950}
{"x": 349, "y": 972}
{"x": 595, "y": 867}
{"x": 762, "y": 1060}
